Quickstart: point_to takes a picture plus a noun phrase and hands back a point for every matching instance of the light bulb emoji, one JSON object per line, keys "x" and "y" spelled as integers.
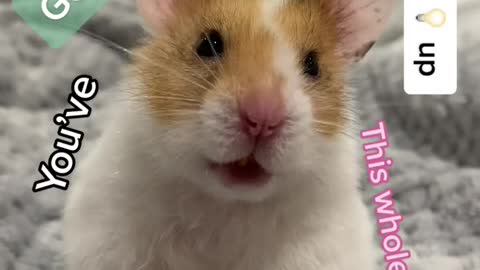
{"x": 435, "y": 17}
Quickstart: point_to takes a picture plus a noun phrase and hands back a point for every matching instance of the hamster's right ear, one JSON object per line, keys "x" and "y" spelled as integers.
{"x": 156, "y": 13}
{"x": 359, "y": 25}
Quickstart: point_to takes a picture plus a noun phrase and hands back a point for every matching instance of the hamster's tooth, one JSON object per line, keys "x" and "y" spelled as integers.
{"x": 243, "y": 162}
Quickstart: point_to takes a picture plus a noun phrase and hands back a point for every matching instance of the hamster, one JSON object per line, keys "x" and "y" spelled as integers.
{"x": 234, "y": 147}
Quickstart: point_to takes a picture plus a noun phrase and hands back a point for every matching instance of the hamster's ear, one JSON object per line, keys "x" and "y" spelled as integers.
{"x": 156, "y": 13}
{"x": 359, "y": 25}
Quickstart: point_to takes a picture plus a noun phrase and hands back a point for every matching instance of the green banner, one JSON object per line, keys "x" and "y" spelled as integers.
{"x": 56, "y": 21}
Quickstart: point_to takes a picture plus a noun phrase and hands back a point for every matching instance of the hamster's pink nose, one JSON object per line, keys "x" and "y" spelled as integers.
{"x": 262, "y": 113}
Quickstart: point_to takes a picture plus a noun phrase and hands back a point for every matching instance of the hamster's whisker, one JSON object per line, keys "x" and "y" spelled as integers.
{"x": 329, "y": 123}
{"x": 139, "y": 96}
{"x": 322, "y": 122}
{"x": 129, "y": 52}
{"x": 181, "y": 76}
{"x": 132, "y": 53}
{"x": 203, "y": 62}
{"x": 309, "y": 88}
{"x": 340, "y": 131}
{"x": 182, "y": 110}
{"x": 172, "y": 117}
{"x": 172, "y": 98}
{"x": 205, "y": 65}
{"x": 169, "y": 95}
{"x": 106, "y": 41}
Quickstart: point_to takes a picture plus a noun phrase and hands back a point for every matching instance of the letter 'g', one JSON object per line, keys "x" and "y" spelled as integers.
{"x": 58, "y": 4}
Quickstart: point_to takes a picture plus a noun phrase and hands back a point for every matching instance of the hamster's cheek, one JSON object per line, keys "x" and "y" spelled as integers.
{"x": 220, "y": 138}
{"x": 178, "y": 142}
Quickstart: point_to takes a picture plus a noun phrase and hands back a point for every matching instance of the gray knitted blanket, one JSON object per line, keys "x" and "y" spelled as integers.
{"x": 435, "y": 140}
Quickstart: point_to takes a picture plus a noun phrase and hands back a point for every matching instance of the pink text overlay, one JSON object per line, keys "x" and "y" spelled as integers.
{"x": 388, "y": 219}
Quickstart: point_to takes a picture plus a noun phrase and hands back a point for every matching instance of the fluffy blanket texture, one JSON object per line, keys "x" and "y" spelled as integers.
{"x": 435, "y": 140}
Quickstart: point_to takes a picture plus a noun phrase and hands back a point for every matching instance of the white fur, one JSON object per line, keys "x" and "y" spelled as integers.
{"x": 145, "y": 199}
{"x": 270, "y": 7}
{"x": 129, "y": 209}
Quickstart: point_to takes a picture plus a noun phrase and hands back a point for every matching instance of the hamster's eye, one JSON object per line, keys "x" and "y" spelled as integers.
{"x": 310, "y": 65}
{"x": 211, "y": 45}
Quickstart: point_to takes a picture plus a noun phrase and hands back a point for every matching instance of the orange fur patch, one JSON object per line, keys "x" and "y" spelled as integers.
{"x": 176, "y": 81}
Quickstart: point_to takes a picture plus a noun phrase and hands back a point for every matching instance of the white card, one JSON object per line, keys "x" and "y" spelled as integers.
{"x": 430, "y": 47}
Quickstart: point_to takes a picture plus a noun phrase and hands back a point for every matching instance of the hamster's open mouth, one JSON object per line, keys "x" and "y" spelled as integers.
{"x": 243, "y": 172}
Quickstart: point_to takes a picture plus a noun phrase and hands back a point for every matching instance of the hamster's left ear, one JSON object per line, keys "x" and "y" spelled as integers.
{"x": 156, "y": 13}
{"x": 359, "y": 25}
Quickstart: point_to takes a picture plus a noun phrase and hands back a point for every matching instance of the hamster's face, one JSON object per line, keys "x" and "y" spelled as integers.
{"x": 250, "y": 94}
